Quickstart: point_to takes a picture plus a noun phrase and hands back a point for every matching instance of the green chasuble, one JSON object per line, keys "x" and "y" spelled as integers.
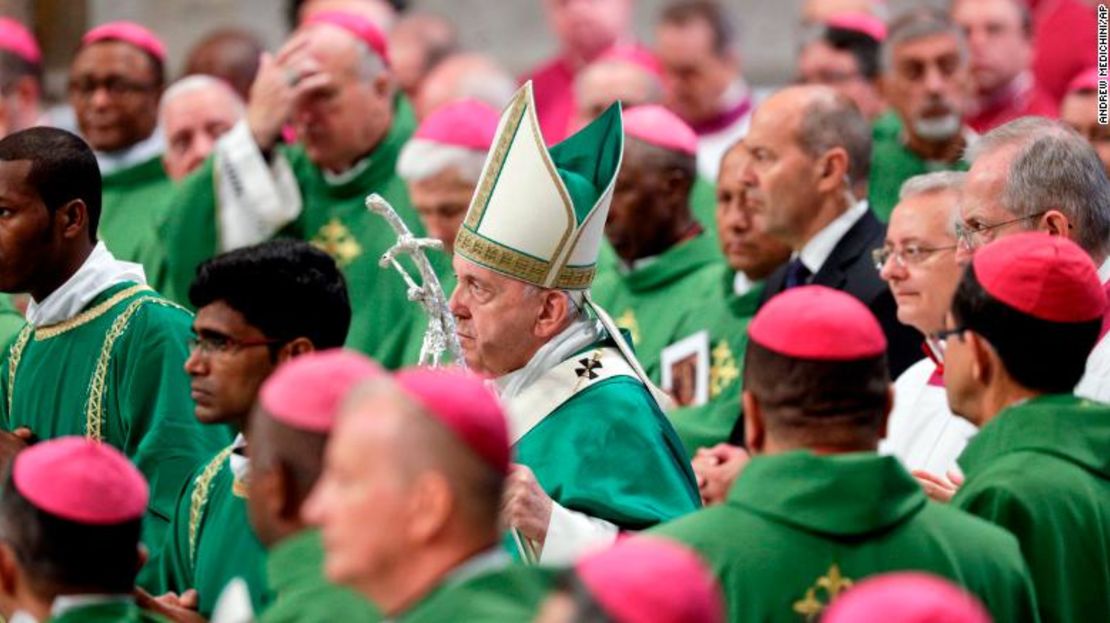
{"x": 651, "y": 301}
{"x": 1041, "y": 469}
{"x": 892, "y": 163}
{"x": 110, "y": 612}
{"x": 508, "y": 593}
{"x": 210, "y": 541}
{"x": 11, "y": 321}
{"x": 609, "y": 452}
{"x": 301, "y": 592}
{"x": 385, "y": 324}
{"x": 136, "y": 200}
{"x": 115, "y": 372}
{"x": 724, "y": 315}
{"x": 798, "y": 529}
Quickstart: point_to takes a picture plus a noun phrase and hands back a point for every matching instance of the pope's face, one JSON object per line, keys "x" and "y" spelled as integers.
{"x": 495, "y": 319}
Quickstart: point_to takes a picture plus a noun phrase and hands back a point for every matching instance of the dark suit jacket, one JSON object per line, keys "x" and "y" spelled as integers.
{"x": 849, "y": 268}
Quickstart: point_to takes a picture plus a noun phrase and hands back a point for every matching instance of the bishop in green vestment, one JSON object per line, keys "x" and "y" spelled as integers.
{"x": 816, "y": 398}
{"x": 893, "y": 162}
{"x": 1040, "y": 465}
{"x": 253, "y": 189}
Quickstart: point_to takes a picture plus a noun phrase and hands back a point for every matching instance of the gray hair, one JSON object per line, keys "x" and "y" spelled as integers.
{"x": 369, "y": 65}
{"x": 1054, "y": 168}
{"x": 929, "y": 183}
{"x": 832, "y": 120}
{"x": 200, "y": 82}
{"x": 917, "y": 24}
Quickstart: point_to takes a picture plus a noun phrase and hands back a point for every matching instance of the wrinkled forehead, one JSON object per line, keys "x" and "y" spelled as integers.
{"x": 928, "y": 215}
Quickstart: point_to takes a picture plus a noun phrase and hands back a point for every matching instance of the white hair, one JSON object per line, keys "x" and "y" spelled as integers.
{"x": 927, "y": 183}
{"x": 421, "y": 159}
{"x": 200, "y": 82}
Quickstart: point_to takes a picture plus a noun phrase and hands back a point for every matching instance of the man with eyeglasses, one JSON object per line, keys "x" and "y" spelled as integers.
{"x": 256, "y": 308}
{"x": 918, "y": 262}
{"x": 1025, "y": 314}
{"x": 844, "y": 55}
{"x": 1037, "y": 174}
{"x": 115, "y": 84}
{"x": 101, "y": 354}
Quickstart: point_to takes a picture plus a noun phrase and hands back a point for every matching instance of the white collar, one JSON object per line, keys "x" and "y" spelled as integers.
{"x": 741, "y": 284}
{"x": 22, "y": 616}
{"x": 575, "y": 338}
{"x": 65, "y": 603}
{"x": 820, "y": 247}
{"x": 238, "y": 461}
{"x": 338, "y": 179}
{"x": 149, "y": 147}
{"x": 99, "y": 272}
{"x": 1104, "y": 271}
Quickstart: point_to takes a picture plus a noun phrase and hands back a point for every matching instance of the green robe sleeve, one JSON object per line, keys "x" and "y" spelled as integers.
{"x": 170, "y": 565}
{"x": 189, "y": 233}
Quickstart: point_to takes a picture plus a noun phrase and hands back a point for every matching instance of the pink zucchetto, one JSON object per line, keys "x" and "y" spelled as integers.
{"x": 859, "y": 22}
{"x": 466, "y": 123}
{"x": 1084, "y": 81}
{"x": 651, "y": 580}
{"x": 15, "y": 38}
{"x": 128, "y": 32}
{"x": 362, "y": 29}
{"x": 908, "y": 597}
{"x": 306, "y": 392}
{"x": 818, "y": 323}
{"x": 461, "y": 401}
{"x": 658, "y": 126}
{"x": 82, "y": 481}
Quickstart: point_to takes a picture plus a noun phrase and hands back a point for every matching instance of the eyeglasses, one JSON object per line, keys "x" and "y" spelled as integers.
{"x": 909, "y": 255}
{"x": 213, "y": 343}
{"x": 117, "y": 87}
{"x": 972, "y": 237}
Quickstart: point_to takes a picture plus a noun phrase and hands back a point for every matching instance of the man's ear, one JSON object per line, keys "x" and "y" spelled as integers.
{"x": 984, "y": 360}
{"x": 432, "y": 505}
{"x": 755, "y": 433}
{"x": 280, "y": 490}
{"x": 9, "y": 573}
{"x": 888, "y": 407}
{"x": 1055, "y": 223}
{"x": 295, "y": 348}
{"x": 832, "y": 170}
{"x": 72, "y": 218}
{"x": 554, "y": 310}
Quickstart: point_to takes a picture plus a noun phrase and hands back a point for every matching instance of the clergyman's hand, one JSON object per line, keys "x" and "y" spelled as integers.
{"x": 525, "y": 506}
{"x": 177, "y": 608}
{"x": 939, "y": 488}
{"x": 716, "y": 469}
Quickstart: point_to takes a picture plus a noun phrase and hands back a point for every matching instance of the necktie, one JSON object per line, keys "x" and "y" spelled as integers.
{"x": 796, "y": 274}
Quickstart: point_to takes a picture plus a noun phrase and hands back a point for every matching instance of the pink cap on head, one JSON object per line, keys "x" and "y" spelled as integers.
{"x": 461, "y": 401}
{"x": 907, "y": 597}
{"x": 1047, "y": 277}
{"x": 651, "y": 580}
{"x": 81, "y": 481}
{"x": 859, "y": 22}
{"x": 15, "y": 38}
{"x": 306, "y": 392}
{"x": 128, "y": 32}
{"x": 466, "y": 123}
{"x": 634, "y": 55}
{"x": 1086, "y": 80}
{"x": 658, "y": 126}
{"x": 815, "y": 322}
{"x": 362, "y": 28}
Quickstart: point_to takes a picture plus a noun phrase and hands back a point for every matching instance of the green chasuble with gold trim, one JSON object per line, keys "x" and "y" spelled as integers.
{"x": 115, "y": 372}
{"x": 892, "y": 163}
{"x": 511, "y": 593}
{"x": 111, "y": 612}
{"x": 798, "y": 529}
{"x": 210, "y": 541}
{"x": 301, "y": 592}
{"x": 651, "y": 302}
{"x": 11, "y": 321}
{"x": 1041, "y": 469}
{"x": 724, "y": 315}
{"x": 136, "y": 201}
{"x": 384, "y": 324}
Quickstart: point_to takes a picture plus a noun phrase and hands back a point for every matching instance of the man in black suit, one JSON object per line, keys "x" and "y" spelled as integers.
{"x": 811, "y": 151}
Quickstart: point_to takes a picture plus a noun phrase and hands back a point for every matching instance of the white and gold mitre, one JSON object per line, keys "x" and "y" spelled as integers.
{"x": 538, "y": 214}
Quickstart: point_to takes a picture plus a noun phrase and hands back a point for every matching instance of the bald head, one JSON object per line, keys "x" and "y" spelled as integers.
{"x": 195, "y": 111}
{"x": 609, "y": 80}
{"x": 462, "y": 76}
{"x": 230, "y": 55}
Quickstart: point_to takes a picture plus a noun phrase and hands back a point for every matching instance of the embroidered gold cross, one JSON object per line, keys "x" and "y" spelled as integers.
{"x": 336, "y": 240}
{"x": 723, "y": 371}
{"x": 832, "y": 583}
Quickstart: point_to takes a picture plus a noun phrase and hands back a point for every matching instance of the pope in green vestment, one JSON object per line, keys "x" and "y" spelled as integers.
{"x": 115, "y": 373}
{"x": 1041, "y": 469}
{"x": 724, "y": 316}
{"x": 651, "y": 301}
{"x": 334, "y": 217}
{"x": 892, "y": 163}
{"x": 136, "y": 200}
{"x": 798, "y": 529}
{"x": 295, "y": 571}
{"x": 211, "y": 541}
{"x": 107, "y": 612}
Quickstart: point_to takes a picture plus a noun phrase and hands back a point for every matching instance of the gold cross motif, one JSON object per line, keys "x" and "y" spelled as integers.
{"x": 832, "y": 583}
{"x": 723, "y": 371}
{"x": 627, "y": 321}
{"x": 336, "y": 240}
